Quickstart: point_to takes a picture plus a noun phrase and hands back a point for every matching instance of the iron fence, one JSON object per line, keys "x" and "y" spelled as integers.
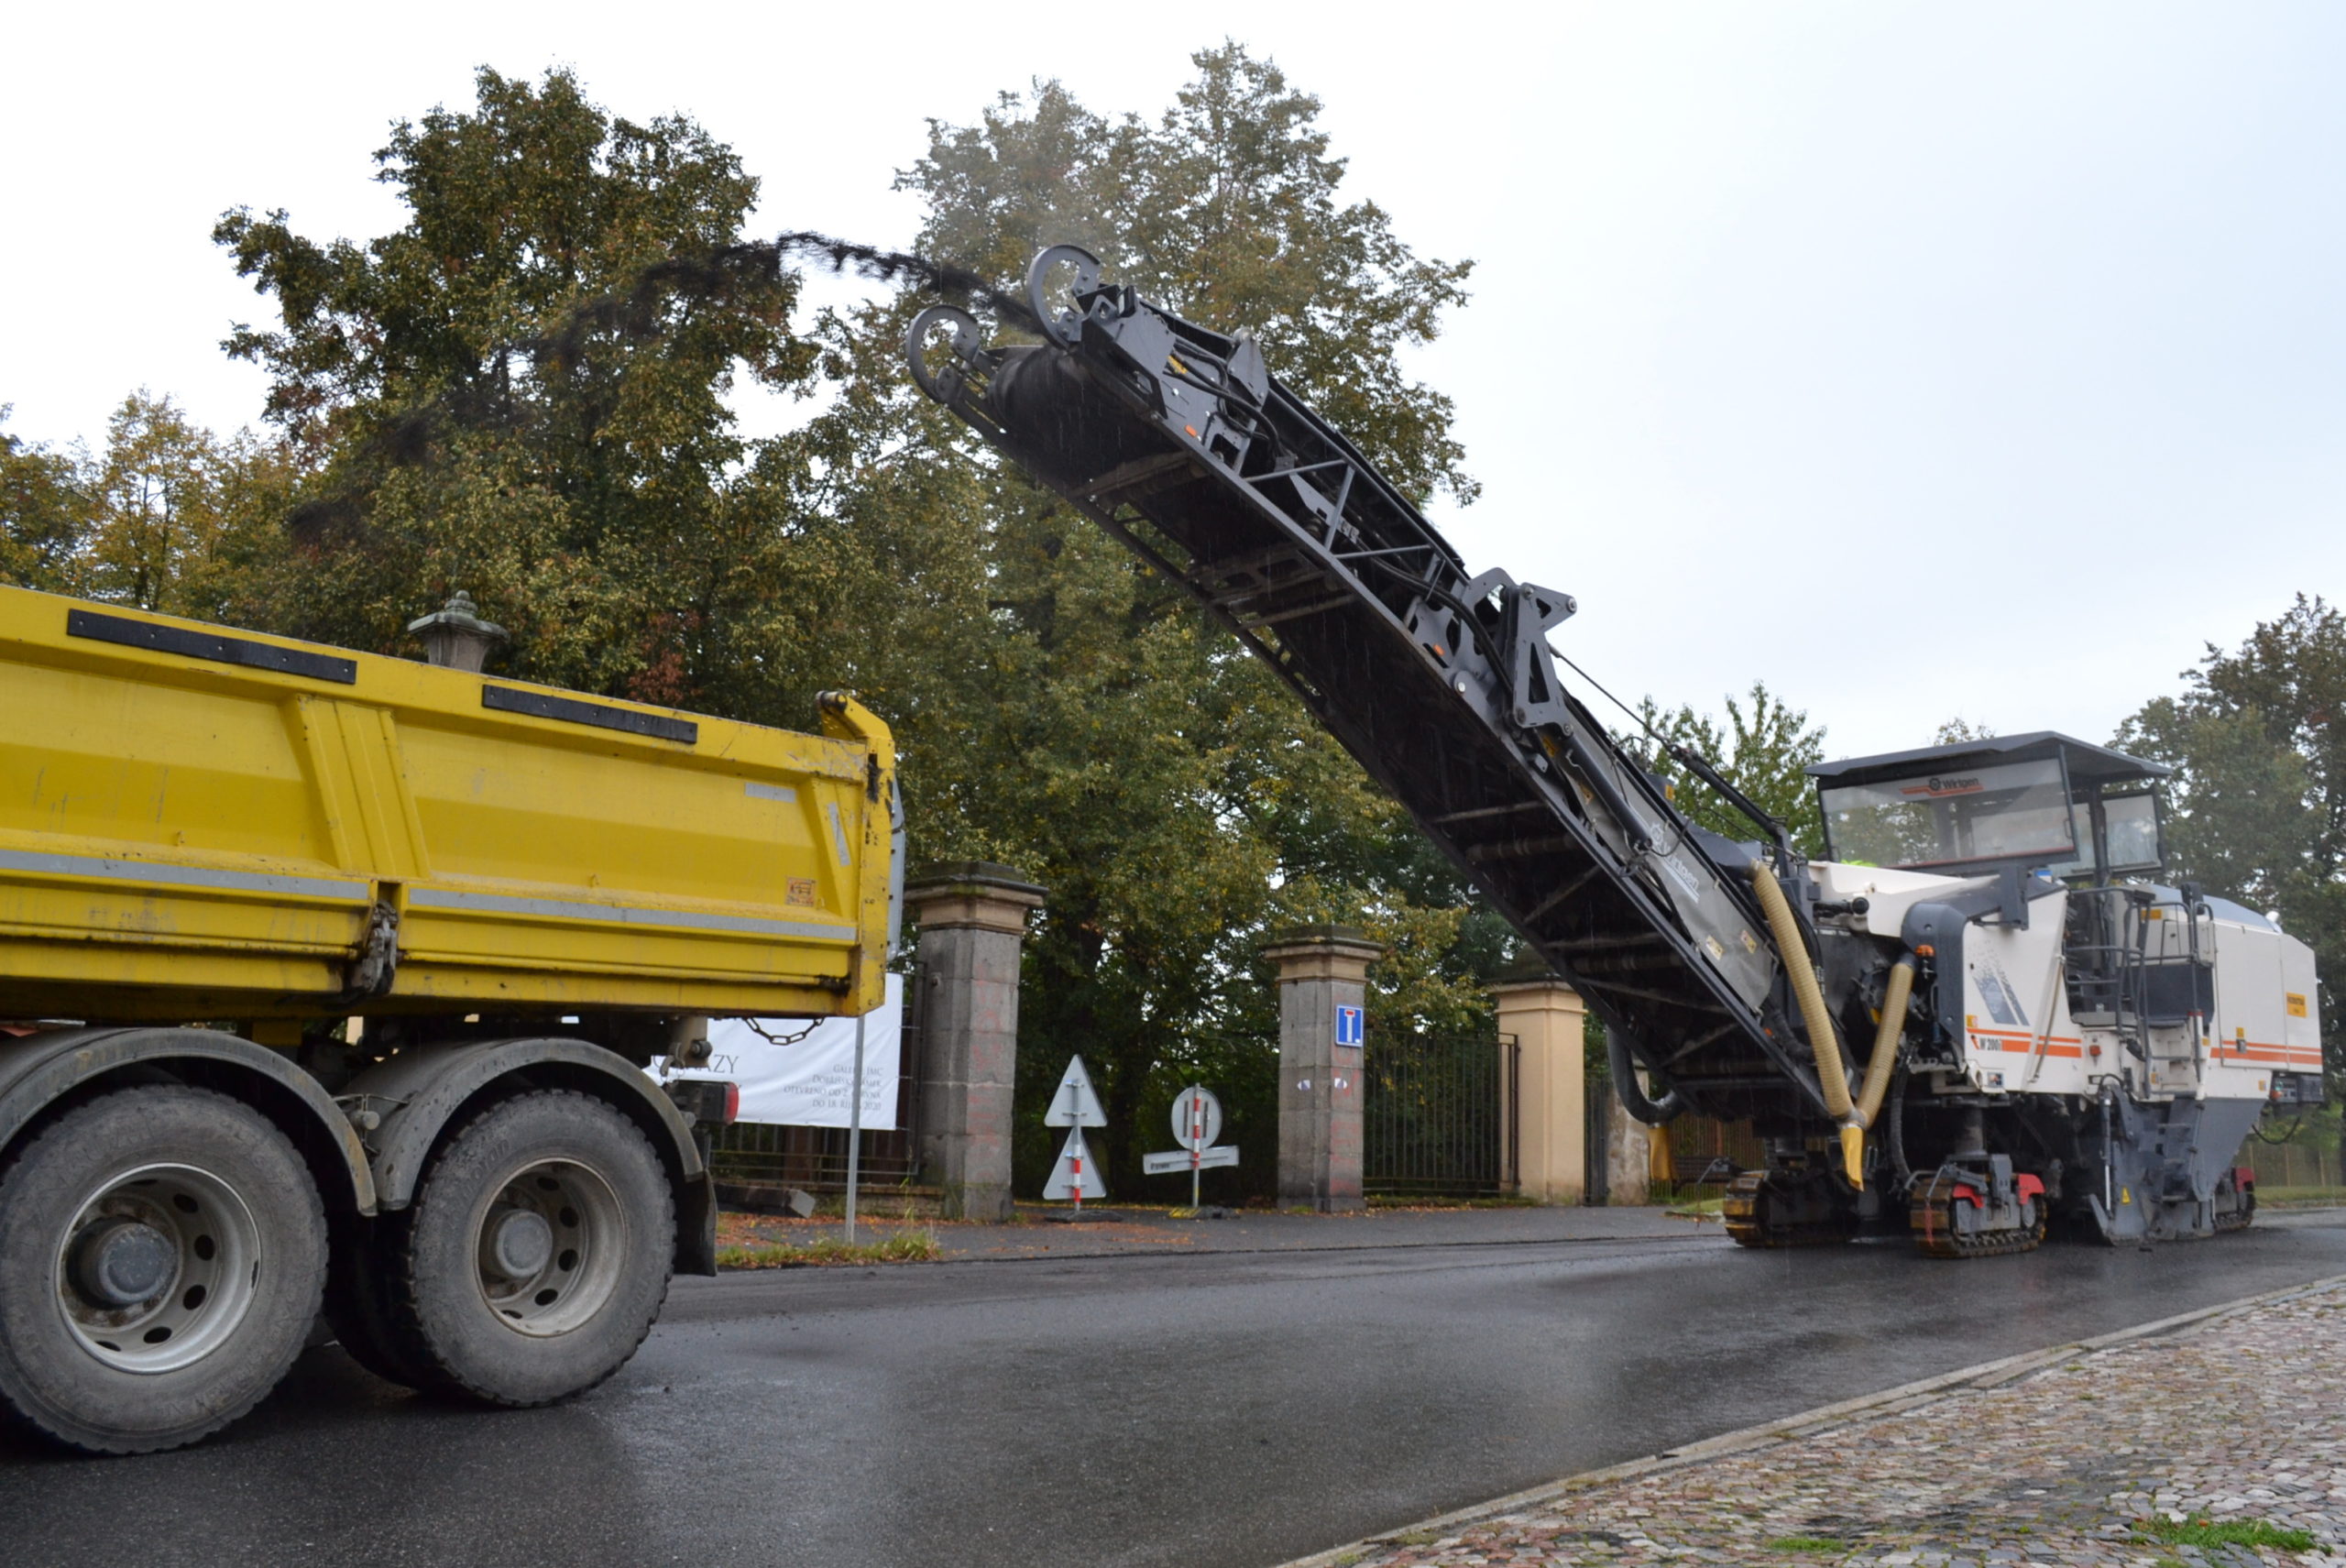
{"x": 2302, "y": 1153}
{"x": 1437, "y": 1114}
{"x": 763, "y": 1154}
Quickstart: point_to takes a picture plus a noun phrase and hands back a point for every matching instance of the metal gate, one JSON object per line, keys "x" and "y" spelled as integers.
{"x": 765, "y": 1153}
{"x": 1436, "y": 1117}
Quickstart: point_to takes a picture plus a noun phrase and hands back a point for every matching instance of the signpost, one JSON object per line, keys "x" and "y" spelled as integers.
{"x": 1075, "y": 1106}
{"x": 1197, "y": 1122}
{"x": 855, "y": 1133}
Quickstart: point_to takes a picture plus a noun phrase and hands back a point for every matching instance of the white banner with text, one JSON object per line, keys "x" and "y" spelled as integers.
{"x": 806, "y": 1083}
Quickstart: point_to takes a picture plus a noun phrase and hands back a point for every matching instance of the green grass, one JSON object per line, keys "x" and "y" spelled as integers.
{"x": 1807, "y": 1543}
{"x": 2232, "y": 1532}
{"x": 905, "y": 1246}
{"x": 1447, "y": 1201}
{"x": 2298, "y": 1197}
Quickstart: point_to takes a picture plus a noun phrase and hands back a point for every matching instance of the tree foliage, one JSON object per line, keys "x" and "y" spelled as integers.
{"x": 2257, "y": 806}
{"x": 1229, "y": 210}
{"x": 44, "y": 514}
{"x": 1764, "y": 750}
{"x": 1175, "y": 799}
{"x": 166, "y": 516}
{"x": 1958, "y": 729}
{"x": 496, "y": 400}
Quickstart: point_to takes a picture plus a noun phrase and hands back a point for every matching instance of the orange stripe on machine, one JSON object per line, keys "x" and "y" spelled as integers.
{"x": 2021, "y": 1041}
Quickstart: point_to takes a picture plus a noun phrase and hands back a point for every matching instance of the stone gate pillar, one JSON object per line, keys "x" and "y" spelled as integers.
{"x": 1628, "y": 1156}
{"x": 972, "y": 917}
{"x": 1550, "y": 1107}
{"x": 1323, "y": 983}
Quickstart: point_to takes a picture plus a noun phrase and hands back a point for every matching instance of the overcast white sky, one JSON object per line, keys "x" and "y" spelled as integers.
{"x": 1922, "y": 360}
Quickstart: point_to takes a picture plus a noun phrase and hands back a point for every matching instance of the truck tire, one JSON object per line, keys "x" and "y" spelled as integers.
{"x": 364, "y": 1310}
{"x": 162, "y": 1253}
{"x": 536, "y": 1254}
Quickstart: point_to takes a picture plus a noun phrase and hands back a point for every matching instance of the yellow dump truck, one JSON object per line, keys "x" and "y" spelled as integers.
{"x": 329, "y": 978}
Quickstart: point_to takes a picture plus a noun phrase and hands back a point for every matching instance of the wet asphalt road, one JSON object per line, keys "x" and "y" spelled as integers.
{"x": 1201, "y": 1410}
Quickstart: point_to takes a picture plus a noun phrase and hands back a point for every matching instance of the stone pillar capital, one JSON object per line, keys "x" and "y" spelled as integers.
{"x": 1323, "y": 952}
{"x": 978, "y": 896}
{"x": 1538, "y": 994}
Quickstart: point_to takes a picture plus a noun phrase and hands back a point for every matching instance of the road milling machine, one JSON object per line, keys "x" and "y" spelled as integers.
{"x": 1983, "y": 1013}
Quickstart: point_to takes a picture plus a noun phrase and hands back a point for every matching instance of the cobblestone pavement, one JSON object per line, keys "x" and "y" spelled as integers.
{"x": 2099, "y": 1459}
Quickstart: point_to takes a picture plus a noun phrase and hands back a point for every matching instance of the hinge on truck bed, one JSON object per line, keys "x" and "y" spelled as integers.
{"x": 370, "y": 974}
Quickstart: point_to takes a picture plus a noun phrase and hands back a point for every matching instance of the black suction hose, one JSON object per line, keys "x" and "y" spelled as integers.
{"x": 1652, "y": 1112}
{"x": 1901, "y": 1172}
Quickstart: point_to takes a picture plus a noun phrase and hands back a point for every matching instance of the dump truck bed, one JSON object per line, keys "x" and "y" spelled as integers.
{"x": 199, "y": 823}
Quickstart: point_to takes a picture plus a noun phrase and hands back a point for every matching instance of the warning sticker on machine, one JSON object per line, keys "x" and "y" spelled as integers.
{"x": 802, "y": 891}
{"x": 2297, "y": 1004}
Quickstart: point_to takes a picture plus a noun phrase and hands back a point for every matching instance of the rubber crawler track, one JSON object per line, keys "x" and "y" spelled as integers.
{"x": 1931, "y": 1216}
{"x": 1745, "y": 1210}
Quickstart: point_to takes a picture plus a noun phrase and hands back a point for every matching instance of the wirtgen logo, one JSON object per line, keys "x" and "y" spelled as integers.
{"x": 1936, "y": 787}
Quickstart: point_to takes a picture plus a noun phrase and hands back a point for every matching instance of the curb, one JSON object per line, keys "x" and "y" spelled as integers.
{"x": 1905, "y": 1396}
{"x": 1306, "y": 1251}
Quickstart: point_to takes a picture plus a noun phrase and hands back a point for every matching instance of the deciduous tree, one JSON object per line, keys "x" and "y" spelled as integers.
{"x": 1177, "y": 801}
{"x": 1764, "y": 750}
{"x": 44, "y": 514}
{"x": 2257, "y": 806}
{"x": 521, "y": 392}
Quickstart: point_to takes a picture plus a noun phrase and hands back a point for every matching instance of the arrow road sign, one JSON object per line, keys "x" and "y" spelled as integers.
{"x": 1076, "y": 1176}
{"x": 1073, "y": 1104}
{"x": 1174, "y": 1161}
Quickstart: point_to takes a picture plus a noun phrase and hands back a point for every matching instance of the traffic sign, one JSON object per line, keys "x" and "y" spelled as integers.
{"x": 1197, "y": 1117}
{"x": 1172, "y": 1162}
{"x": 1350, "y": 1030}
{"x": 1073, "y": 1104}
{"x": 1076, "y": 1176}
{"x": 1197, "y": 1122}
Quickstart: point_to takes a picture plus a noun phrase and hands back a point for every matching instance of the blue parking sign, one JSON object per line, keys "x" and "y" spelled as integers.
{"x": 1348, "y": 1027}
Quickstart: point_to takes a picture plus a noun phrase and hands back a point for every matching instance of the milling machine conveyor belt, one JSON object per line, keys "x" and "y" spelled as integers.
{"x": 1178, "y": 440}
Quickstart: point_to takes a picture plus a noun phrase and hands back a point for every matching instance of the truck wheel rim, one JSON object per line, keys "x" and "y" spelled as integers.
{"x": 159, "y": 1267}
{"x": 550, "y": 1247}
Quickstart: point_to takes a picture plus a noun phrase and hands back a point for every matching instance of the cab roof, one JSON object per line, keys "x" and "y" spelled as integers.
{"x": 2086, "y": 762}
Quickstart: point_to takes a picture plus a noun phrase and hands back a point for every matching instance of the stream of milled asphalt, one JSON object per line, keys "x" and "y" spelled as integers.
{"x": 1238, "y": 1397}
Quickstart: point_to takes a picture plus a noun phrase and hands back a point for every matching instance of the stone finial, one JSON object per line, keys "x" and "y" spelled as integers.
{"x": 979, "y": 894}
{"x": 454, "y": 636}
{"x": 1323, "y": 952}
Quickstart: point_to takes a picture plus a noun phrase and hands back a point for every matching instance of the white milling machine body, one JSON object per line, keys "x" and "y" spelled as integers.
{"x": 1985, "y": 1014}
{"x": 2113, "y": 1037}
